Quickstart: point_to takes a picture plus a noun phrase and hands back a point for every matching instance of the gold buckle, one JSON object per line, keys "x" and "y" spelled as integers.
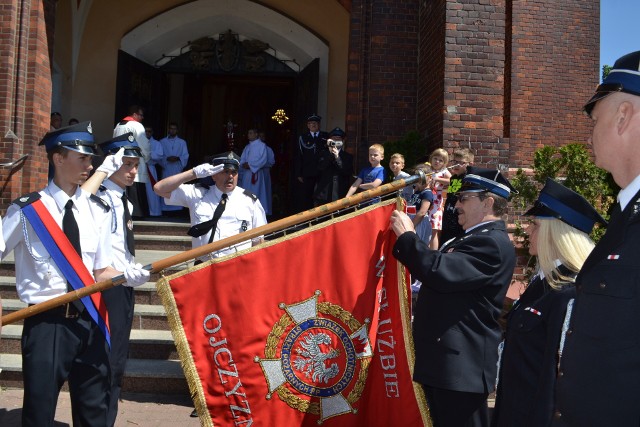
{"x": 69, "y": 315}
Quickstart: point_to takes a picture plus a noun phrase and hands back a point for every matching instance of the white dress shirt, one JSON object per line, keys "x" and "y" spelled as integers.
{"x": 38, "y": 278}
{"x": 241, "y": 211}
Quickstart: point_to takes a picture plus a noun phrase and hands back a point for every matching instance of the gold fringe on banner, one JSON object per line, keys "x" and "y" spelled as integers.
{"x": 186, "y": 359}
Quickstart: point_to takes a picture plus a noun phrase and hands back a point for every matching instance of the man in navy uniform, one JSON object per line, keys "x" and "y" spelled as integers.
{"x": 598, "y": 381}
{"x": 110, "y": 182}
{"x": 70, "y": 342}
{"x": 335, "y": 169}
{"x": 305, "y": 163}
{"x": 456, "y": 329}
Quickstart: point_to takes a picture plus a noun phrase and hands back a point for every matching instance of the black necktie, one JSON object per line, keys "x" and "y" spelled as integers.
{"x": 70, "y": 228}
{"x": 204, "y": 227}
{"x": 617, "y": 210}
{"x": 128, "y": 225}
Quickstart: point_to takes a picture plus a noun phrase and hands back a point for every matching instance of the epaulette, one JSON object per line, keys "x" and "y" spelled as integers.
{"x": 123, "y": 122}
{"x": 100, "y": 202}
{"x": 27, "y": 199}
{"x": 250, "y": 194}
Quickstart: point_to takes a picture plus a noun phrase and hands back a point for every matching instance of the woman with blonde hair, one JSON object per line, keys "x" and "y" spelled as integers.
{"x": 537, "y": 322}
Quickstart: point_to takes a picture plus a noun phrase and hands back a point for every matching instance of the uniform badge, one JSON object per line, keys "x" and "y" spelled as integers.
{"x": 316, "y": 358}
{"x": 130, "y": 225}
{"x": 24, "y": 199}
{"x": 131, "y": 138}
{"x": 89, "y": 128}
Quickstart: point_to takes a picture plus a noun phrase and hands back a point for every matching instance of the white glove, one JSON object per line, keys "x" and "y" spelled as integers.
{"x": 111, "y": 163}
{"x": 207, "y": 169}
{"x": 136, "y": 275}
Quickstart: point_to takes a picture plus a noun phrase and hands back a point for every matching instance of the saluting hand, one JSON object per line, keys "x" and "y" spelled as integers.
{"x": 112, "y": 163}
{"x": 401, "y": 223}
{"x": 207, "y": 169}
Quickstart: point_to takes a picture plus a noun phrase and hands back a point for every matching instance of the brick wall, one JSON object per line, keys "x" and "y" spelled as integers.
{"x": 382, "y": 79}
{"x": 474, "y": 80}
{"x": 431, "y": 85}
{"x": 555, "y": 68}
{"x": 25, "y": 83}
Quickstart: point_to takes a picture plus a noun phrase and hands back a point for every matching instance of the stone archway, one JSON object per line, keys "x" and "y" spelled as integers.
{"x": 168, "y": 33}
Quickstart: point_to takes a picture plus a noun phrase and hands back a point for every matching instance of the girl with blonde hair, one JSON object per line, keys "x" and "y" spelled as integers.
{"x": 537, "y": 322}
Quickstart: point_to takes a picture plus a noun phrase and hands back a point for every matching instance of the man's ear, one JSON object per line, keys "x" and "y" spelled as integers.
{"x": 624, "y": 115}
{"x": 57, "y": 159}
{"x": 489, "y": 203}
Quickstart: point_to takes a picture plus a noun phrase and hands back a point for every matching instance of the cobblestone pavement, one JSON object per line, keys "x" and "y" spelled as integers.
{"x": 135, "y": 409}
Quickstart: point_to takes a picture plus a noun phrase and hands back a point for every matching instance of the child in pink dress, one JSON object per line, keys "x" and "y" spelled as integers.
{"x": 438, "y": 159}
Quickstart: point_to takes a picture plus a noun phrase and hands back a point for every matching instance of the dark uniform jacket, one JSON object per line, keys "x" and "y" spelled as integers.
{"x": 456, "y": 330}
{"x": 334, "y": 176}
{"x": 305, "y": 160}
{"x": 529, "y": 361}
{"x": 599, "y": 379}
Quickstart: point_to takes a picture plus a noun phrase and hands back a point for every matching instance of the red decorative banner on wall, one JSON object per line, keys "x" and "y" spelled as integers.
{"x": 307, "y": 330}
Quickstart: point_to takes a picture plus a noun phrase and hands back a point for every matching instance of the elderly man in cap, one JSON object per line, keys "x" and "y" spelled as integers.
{"x": 110, "y": 181}
{"x": 335, "y": 169}
{"x": 217, "y": 211}
{"x": 305, "y": 163}
{"x": 456, "y": 330}
{"x": 599, "y": 375}
{"x": 61, "y": 237}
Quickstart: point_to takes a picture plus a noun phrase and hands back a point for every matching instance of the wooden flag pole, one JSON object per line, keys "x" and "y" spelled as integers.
{"x": 185, "y": 256}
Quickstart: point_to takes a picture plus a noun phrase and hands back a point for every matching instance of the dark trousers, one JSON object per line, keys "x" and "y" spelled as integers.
{"x": 120, "y": 303}
{"x": 137, "y": 194}
{"x": 55, "y": 349}
{"x": 303, "y": 193}
{"x": 457, "y": 408}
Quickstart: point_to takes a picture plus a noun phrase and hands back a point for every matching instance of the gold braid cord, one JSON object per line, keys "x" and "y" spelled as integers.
{"x": 186, "y": 358}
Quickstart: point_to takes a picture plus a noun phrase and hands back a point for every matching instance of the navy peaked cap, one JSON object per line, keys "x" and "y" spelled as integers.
{"x": 126, "y": 141}
{"x": 78, "y": 137}
{"x": 623, "y": 77}
{"x": 337, "y": 132}
{"x": 490, "y": 180}
{"x": 557, "y": 201}
{"x": 228, "y": 159}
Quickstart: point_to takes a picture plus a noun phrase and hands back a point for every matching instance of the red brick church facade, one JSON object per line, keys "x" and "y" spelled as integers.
{"x": 504, "y": 77}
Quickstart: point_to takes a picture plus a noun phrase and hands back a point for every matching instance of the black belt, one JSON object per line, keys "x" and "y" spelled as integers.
{"x": 68, "y": 311}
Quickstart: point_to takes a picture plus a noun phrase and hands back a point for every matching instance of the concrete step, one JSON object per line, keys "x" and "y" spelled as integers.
{"x": 162, "y": 242}
{"x": 153, "y": 365}
{"x": 145, "y": 294}
{"x": 144, "y": 257}
{"x": 144, "y": 344}
{"x": 161, "y": 228}
{"x": 145, "y": 316}
{"x": 141, "y": 375}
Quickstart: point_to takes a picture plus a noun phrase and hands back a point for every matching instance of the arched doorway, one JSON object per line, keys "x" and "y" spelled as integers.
{"x": 241, "y": 64}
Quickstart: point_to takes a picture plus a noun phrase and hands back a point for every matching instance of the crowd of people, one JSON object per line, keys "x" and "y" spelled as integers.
{"x": 569, "y": 354}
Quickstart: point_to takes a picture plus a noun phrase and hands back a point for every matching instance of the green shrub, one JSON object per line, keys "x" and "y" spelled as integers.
{"x": 572, "y": 166}
{"x": 409, "y": 146}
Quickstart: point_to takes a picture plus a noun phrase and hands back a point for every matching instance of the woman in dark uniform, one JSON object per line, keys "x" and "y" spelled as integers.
{"x": 559, "y": 240}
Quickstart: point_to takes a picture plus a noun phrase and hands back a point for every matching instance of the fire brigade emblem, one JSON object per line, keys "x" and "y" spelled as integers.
{"x": 316, "y": 358}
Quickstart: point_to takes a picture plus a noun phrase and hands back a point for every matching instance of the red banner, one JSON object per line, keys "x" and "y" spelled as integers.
{"x": 305, "y": 330}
